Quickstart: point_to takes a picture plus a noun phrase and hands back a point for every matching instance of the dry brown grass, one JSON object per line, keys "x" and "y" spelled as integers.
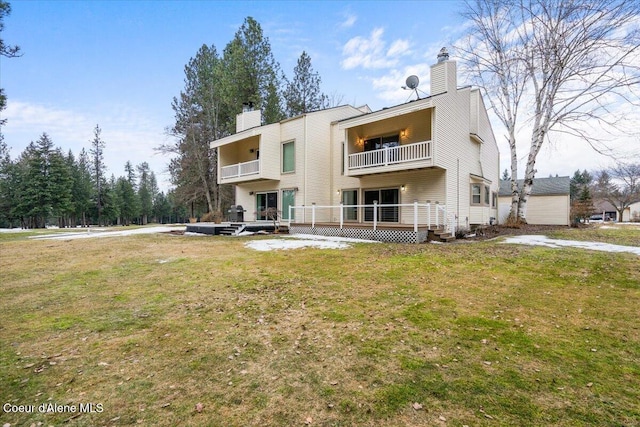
{"x": 150, "y": 326}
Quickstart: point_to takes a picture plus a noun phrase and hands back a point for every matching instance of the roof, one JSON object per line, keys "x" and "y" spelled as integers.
{"x": 552, "y": 186}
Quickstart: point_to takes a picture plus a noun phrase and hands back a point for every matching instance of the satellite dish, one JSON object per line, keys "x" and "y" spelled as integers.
{"x": 412, "y": 82}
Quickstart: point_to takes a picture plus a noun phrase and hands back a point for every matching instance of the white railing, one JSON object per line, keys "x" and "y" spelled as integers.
{"x": 240, "y": 169}
{"x": 391, "y": 155}
{"x": 425, "y": 214}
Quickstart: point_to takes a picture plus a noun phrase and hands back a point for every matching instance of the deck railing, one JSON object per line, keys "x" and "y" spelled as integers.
{"x": 240, "y": 169}
{"x": 425, "y": 214}
{"x": 391, "y": 155}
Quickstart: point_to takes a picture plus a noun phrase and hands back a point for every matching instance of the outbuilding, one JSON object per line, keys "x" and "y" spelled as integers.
{"x": 549, "y": 203}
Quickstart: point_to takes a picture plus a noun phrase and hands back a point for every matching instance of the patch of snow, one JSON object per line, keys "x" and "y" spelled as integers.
{"x": 329, "y": 238}
{"x": 189, "y": 233}
{"x": 12, "y": 230}
{"x": 298, "y": 241}
{"x": 274, "y": 244}
{"x": 537, "y": 240}
{"x": 101, "y": 232}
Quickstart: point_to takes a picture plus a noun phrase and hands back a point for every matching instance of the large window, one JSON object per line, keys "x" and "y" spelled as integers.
{"x": 288, "y": 157}
{"x": 381, "y": 142}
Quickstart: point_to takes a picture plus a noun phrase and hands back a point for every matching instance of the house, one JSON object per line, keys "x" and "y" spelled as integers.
{"x": 632, "y": 213}
{"x": 549, "y": 202}
{"x": 388, "y": 175}
{"x": 603, "y": 210}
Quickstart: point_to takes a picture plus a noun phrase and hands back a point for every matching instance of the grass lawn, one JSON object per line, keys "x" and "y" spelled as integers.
{"x": 147, "y": 327}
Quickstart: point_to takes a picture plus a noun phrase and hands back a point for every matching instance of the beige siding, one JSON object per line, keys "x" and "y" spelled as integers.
{"x": 545, "y": 210}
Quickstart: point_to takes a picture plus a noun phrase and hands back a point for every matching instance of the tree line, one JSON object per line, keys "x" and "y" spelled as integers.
{"x": 619, "y": 185}
{"x": 45, "y": 186}
{"x": 216, "y": 86}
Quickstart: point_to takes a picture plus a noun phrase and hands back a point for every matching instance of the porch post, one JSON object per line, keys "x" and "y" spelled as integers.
{"x": 429, "y": 214}
{"x": 415, "y": 215}
{"x": 437, "y": 215}
{"x": 375, "y": 215}
{"x": 290, "y": 216}
{"x": 313, "y": 215}
{"x": 341, "y": 215}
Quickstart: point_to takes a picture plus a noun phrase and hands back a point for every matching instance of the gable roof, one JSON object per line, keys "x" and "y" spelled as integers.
{"x": 552, "y": 186}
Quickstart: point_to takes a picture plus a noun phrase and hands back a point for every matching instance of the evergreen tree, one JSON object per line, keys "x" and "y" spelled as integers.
{"x": 82, "y": 188}
{"x": 162, "y": 208}
{"x": 505, "y": 175}
{"x": 36, "y": 197}
{"x": 197, "y": 113}
{"x": 250, "y": 74}
{"x": 98, "y": 170}
{"x": 60, "y": 185}
{"x": 146, "y": 191}
{"x": 303, "y": 94}
{"x": 127, "y": 201}
{"x": 8, "y": 52}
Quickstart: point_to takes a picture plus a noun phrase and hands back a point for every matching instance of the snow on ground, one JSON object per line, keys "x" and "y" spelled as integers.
{"x": 106, "y": 232}
{"x": 297, "y": 241}
{"x": 538, "y": 240}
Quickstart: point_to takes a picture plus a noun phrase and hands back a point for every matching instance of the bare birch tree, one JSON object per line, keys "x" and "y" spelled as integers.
{"x": 556, "y": 66}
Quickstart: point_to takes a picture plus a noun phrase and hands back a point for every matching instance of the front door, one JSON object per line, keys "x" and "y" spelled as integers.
{"x": 267, "y": 206}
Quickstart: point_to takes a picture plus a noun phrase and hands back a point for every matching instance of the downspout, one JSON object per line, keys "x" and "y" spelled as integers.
{"x": 458, "y": 191}
{"x": 306, "y": 148}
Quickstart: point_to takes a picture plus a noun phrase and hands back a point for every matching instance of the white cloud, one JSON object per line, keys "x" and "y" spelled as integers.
{"x": 371, "y": 53}
{"x": 129, "y": 135}
{"x": 349, "y": 21}
{"x": 399, "y": 48}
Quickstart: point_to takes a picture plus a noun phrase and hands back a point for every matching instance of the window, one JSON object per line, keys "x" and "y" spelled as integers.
{"x": 288, "y": 157}
{"x": 381, "y": 142}
{"x": 288, "y": 199}
{"x": 481, "y": 195}
{"x": 350, "y": 198}
{"x": 476, "y": 191}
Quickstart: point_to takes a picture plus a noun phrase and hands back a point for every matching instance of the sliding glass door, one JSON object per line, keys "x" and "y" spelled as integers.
{"x": 387, "y": 196}
{"x": 266, "y": 206}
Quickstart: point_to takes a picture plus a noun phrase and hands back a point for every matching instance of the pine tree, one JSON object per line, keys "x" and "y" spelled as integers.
{"x": 303, "y": 94}
{"x": 146, "y": 189}
{"x": 82, "y": 188}
{"x": 60, "y": 185}
{"x": 37, "y": 195}
{"x": 250, "y": 74}
{"x": 98, "y": 170}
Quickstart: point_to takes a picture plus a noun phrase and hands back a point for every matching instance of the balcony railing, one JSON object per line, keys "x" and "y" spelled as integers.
{"x": 241, "y": 169}
{"x": 391, "y": 155}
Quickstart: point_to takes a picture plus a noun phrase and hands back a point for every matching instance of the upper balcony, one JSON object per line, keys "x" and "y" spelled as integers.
{"x": 391, "y": 158}
{"x": 240, "y": 170}
{"x": 247, "y": 156}
{"x": 390, "y": 141}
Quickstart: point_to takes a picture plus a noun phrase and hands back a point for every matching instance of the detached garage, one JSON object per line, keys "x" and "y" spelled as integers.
{"x": 549, "y": 203}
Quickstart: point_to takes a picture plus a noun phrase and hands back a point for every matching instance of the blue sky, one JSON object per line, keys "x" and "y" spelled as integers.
{"x": 119, "y": 64}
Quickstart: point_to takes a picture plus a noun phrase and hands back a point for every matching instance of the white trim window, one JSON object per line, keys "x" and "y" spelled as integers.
{"x": 288, "y": 157}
